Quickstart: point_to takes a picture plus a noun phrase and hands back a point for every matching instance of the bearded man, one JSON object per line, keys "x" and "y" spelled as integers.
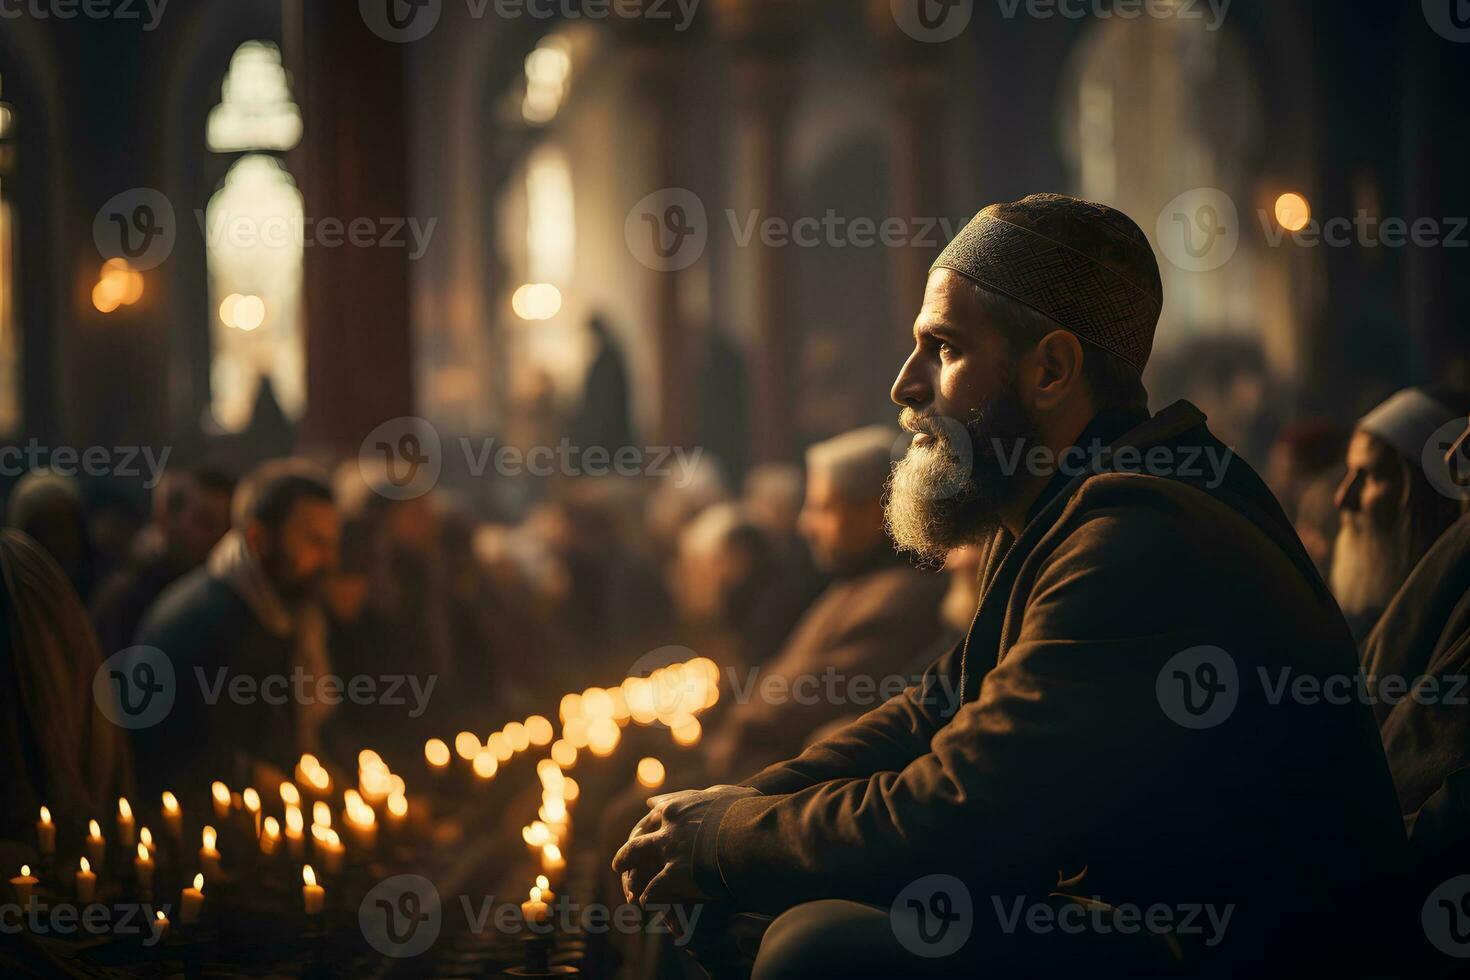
{"x": 1121, "y": 774}
{"x": 1388, "y": 511}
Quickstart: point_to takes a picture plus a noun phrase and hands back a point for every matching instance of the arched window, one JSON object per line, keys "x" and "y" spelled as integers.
{"x": 10, "y": 373}
{"x": 253, "y": 240}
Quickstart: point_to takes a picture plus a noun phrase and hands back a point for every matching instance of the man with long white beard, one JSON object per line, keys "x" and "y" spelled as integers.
{"x": 1388, "y": 512}
{"x": 1109, "y": 774}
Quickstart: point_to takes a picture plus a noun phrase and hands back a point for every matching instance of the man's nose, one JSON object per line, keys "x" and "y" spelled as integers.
{"x": 1348, "y": 491}
{"x": 911, "y": 389}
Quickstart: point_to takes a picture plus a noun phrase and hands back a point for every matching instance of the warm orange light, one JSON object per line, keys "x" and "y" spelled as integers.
{"x": 308, "y": 875}
{"x": 1292, "y": 211}
{"x": 650, "y": 772}
{"x": 436, "y": 753}
{"x": 467, "y": 745}
{"x": 485, "y": 764}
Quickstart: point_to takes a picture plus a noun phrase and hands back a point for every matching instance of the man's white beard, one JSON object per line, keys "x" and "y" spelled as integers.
{"x": 924, "y": 507}
{"x": 1369, "y": 564}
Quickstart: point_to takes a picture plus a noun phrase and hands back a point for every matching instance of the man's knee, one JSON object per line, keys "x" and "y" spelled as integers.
{"x": 825, "y": 938}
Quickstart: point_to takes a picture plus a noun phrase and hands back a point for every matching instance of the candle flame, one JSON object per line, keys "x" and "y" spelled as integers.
{"x": 319, "y": 778}
{"x": 368, "y": 759}
{"x": 308, "y": 875}
{"x": 161, "y": 916}
{"x": 124, "y": 808}
{"x": 321, "y": 813}
{"x": 251, "y": 798}
{"x": 535, "y": 894}
{"x": 294, "y": 820}
{"x": 209, "y": 838}
{"x": 543, "y": 883}
{"x": 25, "y": 870}
{"x": 272, "y": 827}
{"x": 398, "y": 805}
{"x": 94, "y": 830}
{"x": 220, "y": 791}
{"x": 86, "y": 865}
{"x": 146, "y": 836}
{"x": 552, "y": 852}
{"x": 199, "y": 882}
{"x": 290, "y": 795}
{"x": 436, "y": 752}
{"x": 45, "y": 814}
{"x": 170, "y": 802}
{"x": 143, "y": 852}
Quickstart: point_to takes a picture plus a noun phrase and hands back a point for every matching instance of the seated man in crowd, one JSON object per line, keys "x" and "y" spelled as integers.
{"x": 1131, "y": 748}
{"x": 860, "y": 631}
{"x": 1388, "y": 511}
{"x": 191, "y": 512}
{"x": 250, "y": 612}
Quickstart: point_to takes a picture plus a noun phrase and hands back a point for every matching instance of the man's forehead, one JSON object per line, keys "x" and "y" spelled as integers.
{"x": 950, "y": 300}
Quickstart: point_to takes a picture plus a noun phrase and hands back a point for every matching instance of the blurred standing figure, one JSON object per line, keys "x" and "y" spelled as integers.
{"x": 1303, "y": 470}
{"x": 1389, "y": 511}
{"x": 56, "y": 748}
{"x": 602, "y": 419}
{"x": 48, "y": 508}
{"x": 251, "y": 610}
{"x": 191, "y": 512}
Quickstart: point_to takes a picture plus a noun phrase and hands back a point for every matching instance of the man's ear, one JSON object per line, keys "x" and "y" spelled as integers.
{"x": 1058, "y": 366}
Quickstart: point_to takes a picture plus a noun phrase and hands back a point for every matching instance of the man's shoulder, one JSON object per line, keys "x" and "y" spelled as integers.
{"x": 197, "y": 602}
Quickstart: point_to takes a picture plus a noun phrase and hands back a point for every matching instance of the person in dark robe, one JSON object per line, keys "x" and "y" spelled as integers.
{"x": 56, "y": 747}
{"x": 1388, "y": 511}
{"x": 48, "y": 508}
{"x": 1103, "y": 742}
{"x": 602, "y": 419}
{"x": 251, "y": 612}
{"x": 191, "y": 512}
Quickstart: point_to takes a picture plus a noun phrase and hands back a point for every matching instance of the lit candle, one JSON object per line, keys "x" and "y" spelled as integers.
{"x": 143, "y": 865}
{"x": 145, "y": 837}
{"x": 650, "y": 773}
{"x": 313, "y": 896}
{"x": 86, "y": 882}
{"x": 220, "y": 794}
{"x": 328, "y": 846}
{"x": 321, "y": 813}
{"x": 467, "y": 745}
{"x": 46, "y": 834}
{"x": 397, "y": 811}
{"x": 95, "y": 846}
{"x": 173, "y": 817}
{"x": 125, "y": 822}
{"x": 361, "y": 821}
{"x": 191, "y": 900}
{"x": 290, "y": 795}
{"x": 544, "y": 883}
{"x": 485, "y": 764}
{"x": 552, "y": 863}
{"x": 251, "y": 799}
{"x": 160, "y": 927}
{"x": 295, "y": 831}
{"x": 436, "y": 754}
{"x": 24, "y": 885}
{"x": 534, "y": 912}
{"x": 208, "y": 856}
{"x": 270, "y": 836}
